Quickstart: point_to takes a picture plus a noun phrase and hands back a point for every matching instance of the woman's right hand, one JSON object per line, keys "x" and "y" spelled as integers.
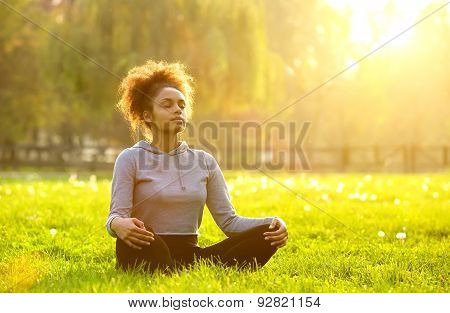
{"x": 132, "y": 231}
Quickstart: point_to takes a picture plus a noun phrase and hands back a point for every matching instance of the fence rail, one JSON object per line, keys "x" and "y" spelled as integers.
{"x": 346, "y": 158}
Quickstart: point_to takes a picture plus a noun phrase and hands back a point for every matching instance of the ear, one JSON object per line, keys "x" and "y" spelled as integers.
{"x": 147, "y": 116}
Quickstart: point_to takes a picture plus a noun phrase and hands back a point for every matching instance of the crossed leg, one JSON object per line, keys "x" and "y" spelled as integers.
{"x": 245, "y": 250}
{"x": 155, "y": 256}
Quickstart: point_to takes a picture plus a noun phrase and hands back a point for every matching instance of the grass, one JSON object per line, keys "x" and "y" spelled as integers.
{"x": 53, "y": 237}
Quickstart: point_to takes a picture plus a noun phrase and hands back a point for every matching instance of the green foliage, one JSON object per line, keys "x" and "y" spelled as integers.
{"x": 250, "y": 59}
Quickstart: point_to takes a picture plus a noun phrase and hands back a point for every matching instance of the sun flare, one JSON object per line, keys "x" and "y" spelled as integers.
{"x": 373, "y": 22}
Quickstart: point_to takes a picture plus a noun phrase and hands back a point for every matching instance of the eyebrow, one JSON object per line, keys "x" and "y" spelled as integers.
{"x": 172, "y": 99}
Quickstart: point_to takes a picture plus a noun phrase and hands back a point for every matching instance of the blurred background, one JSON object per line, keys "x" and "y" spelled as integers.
{"x": 250, "y": 59}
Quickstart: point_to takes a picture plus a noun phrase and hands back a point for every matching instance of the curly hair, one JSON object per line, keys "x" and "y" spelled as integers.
{"x": 143, "y": 83}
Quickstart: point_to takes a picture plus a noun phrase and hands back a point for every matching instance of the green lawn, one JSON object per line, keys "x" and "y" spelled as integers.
{"x": 53, "y": 237}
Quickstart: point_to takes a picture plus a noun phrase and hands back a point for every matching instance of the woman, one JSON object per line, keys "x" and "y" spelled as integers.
{"x": 159, "y": 188}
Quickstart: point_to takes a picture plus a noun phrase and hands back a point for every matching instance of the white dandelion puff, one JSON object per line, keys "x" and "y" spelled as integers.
{"x": 31, "y": 190}
{"x": 355, "y": 195}
{"x": 340, "y": 187}
{"x": 373, "y": 197}
{"x": 313, "y": 183}
{"x": 397, "y": 201}
{"x": 363, "y": 197}
{"x": 307, "y": 208}
{"x": 368, "y": 177}
{"x": 73, "y": 177}
{"x": 400, "y": 236}
{"x": 93, "y": 178}
{"x": 381, "y": 233}
{"x": 53, "y": 232}
{"x": 289, "y": 182}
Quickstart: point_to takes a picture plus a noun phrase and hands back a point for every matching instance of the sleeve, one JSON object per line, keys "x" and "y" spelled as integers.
{"x": 219, "y": 204}
{"x": 122, "y": 188}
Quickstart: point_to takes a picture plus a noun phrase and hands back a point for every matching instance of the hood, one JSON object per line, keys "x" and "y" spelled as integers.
{"x": 173, "y": 153}
{"x": 149, "y": 147}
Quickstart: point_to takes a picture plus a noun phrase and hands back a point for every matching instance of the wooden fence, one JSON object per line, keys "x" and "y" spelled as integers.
{"x": 316, "y": 159}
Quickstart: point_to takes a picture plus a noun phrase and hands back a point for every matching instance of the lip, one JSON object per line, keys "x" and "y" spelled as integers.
{"x": 178, "y": 119}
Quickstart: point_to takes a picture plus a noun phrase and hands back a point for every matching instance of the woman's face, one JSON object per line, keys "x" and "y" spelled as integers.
{"x": 169, "y": 111}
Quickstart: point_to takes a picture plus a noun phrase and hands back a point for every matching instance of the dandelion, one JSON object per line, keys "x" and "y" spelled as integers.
{"x": 354, "y": 195}
{"x": 73, "y": 177}
{"x": 254, "y": 189}
{"x": 424, "y": 187}
{"x": 368, "y": 177}
{"x": 307, "y": 208}
{"x": 325, "y": 197}
{"x": 93, "y": 187}
{"x": 373, "y": 197}
{"x": 313, "y": 183}
{"x": 289, "y": 182}
{"x": 93, "y": 178}
{"x": 31, "y": 190}
{"x": 435, "y": 195}
{"x": 340, "y": 187}
{"x": 397, "y": 201}
{"x": 53, "y": 232}
{"x": 8, "y": 191}
{"x": 363, "y": 197}
{"x": 381, "y": 234}
{"x": 400, "y": 236}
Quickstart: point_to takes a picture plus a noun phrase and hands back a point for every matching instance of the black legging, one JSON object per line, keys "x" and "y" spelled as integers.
{"x": 168, "y": 252}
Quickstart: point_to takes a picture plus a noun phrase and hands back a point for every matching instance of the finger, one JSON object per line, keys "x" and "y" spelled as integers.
{"x": 137, "y": 222}
{"x": 273, "y": 224}
{"x": 281, "y": 246}
{"x": 275, "y": 233}
{"x": 277, "y": 237}
{"x": 139, "y": 241}
{"x": 144, "y": 237}
{"x": 129, "y": 243}
{"x": 277, "y": 243}
{"x": 143, "y": 232}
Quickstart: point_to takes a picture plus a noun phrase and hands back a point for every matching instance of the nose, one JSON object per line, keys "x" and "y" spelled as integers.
{"x": 177, "y": 110}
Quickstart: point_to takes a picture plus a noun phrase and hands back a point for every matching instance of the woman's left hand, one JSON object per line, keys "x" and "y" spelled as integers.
{"x": 278, "y": 237}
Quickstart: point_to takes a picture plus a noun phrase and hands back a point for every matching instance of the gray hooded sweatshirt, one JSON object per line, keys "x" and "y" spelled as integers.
{"x": 168, "y": 191}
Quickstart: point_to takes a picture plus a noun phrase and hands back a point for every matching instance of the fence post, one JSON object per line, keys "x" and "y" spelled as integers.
{"x": 344, "y": 157}
{"x": 413, "y": 158}
{"x": 376, "y": 156}
{"x": 444, "y": 156}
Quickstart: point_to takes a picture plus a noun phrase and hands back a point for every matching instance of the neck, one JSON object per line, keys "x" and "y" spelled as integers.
{"x": 165, "y": 142}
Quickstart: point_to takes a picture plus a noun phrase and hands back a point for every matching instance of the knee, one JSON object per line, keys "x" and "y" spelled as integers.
{"x": 259, "y": 231}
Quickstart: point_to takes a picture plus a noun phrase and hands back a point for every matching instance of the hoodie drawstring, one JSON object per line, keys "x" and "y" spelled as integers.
{"x": 143, "y": 144}
{"x": 179, "y": 172}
